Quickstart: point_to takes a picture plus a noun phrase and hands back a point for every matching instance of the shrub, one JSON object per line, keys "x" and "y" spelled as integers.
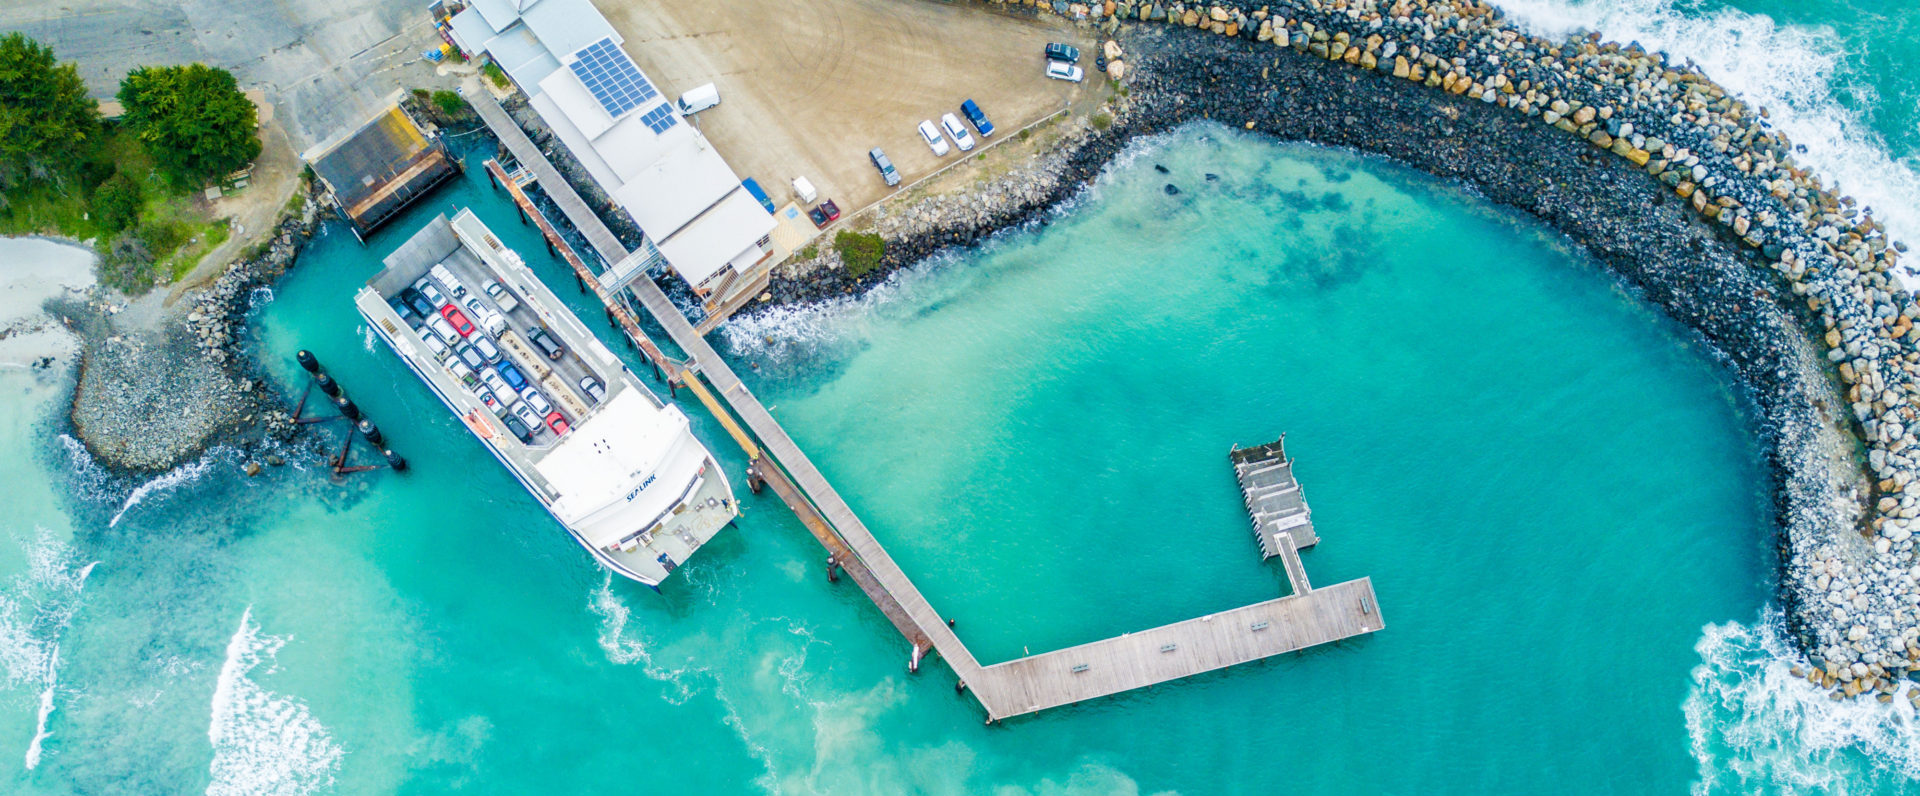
{"x": 127, "y": 265}
{"x": 162, "y": 236}
{"x": 495, "y": 74}
{"x": 859, "y": 251}
{"x": 450, "y": 103}
{"x": 1102, "y": 121}
{"x": 116, "y": 203}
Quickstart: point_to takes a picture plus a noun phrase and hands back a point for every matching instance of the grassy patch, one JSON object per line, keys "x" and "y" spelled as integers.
{"x": 1102, "y": 121}
{"x": 811, "y": 251}
{"x": 450, "y": 103}
{"x": 859, "y": 251}
{"x": 497, "y": 75}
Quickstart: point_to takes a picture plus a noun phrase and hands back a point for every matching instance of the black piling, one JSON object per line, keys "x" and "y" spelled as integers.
{"x": 307, "y": 360}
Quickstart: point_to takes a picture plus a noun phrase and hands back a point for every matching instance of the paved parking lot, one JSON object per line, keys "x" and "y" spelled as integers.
{"x": 326, "y": 66}
{"x": 807, "y": 87}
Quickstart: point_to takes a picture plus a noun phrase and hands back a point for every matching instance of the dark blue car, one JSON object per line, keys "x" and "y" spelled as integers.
{"x": 979, "y": 120}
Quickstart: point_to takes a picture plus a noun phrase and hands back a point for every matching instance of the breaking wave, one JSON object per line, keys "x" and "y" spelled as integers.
{"x": 1754, "y": 727}
{"x": 263, "y": 742}
{"x": 35, "y": 611}
{"x": 165, "y": 482}
{"x": 1793, "y": 72}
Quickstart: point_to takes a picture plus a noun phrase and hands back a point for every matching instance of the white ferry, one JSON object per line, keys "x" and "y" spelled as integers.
{"x": 619, "y": 469}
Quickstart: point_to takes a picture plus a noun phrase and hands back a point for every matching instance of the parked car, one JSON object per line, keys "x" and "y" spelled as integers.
{"x": 525, "y": 413}
{"x": 824, "y": 213}
{"x": 470, "y": 356}
{"x": 491, "y": 378}
{"x": 458, "y": 319}
{"x": 518, "y": 429}
{"x": 1066, "y": 53}
{"x": 957, "y": 131}
{"x": 759, "y": 194}
{"x": 534, "y": 399}
{"x": 486, "y": 347}
{"x": 448, "y": 280}
{"x": 432, "y": 340}
{"x": 593, "y": 388}
{"x": 511, "y": 375}
{"x": 501, "y": 296}
{"x": 406, "y": 313}
{"x": 433, "y": 294}
{"x": 1064, "y": 71}
{"x": 443, "y": 329}
{"x": 557, "y": 422}
{"x": 490, "y": 401}
{"x": 935, "y": 141}
{"x": 482, "y": 314}
{"x": 885, "y": 166}
{"x": 418, "y": 302}
{"x": 699, "y": 98}
{"x": 460, "y": 370}
{"x": 979, "y": 119}
{"x": 545, "y": 342}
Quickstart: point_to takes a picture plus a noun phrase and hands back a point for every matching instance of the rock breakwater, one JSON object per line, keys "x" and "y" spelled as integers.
{"x": 153, "y": 395}
{"x": 1664, "y": 176}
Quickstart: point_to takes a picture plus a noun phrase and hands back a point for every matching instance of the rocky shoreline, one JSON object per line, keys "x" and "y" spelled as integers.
{"x": 1661, "y": 175}
{"x": 153, "y": 395}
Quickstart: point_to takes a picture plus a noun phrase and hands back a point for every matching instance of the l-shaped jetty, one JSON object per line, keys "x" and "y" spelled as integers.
{"x": 1307, "y": 617}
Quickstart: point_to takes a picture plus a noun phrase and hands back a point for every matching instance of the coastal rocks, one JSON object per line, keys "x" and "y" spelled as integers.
{"x": 1756, "y": 247}
{"x": 149, "y": 399}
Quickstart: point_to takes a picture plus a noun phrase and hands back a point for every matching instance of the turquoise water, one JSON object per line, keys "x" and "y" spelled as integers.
{"x": 1551, "y": 486}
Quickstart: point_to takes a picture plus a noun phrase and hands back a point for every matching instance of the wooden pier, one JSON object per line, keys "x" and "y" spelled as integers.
{"x": 1273, "y": 496}
{"x": 1305, "y": 618}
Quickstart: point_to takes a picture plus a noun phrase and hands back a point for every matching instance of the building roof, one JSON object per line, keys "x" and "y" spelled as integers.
{"x": 498, "y": 13}
{"x": 568, "y": 26}
{"x": 727, "y": 231}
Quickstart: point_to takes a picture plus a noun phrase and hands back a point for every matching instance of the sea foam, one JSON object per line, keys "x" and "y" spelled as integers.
{"x": 1788, "y": 70}
{"x": 1754, "y": 727}
{"x": 35, "y": 611}
{"x": 263, "y": 743}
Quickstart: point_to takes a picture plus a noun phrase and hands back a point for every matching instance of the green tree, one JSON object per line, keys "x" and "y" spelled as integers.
{"x": 48, "y": 124}
{"x": 192, "y": 119}
{"x": 116, "y": 202}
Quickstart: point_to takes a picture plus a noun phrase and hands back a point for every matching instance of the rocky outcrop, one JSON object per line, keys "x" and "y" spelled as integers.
{"x": 1666, "y": 177}
{"x": 150, "y": 399}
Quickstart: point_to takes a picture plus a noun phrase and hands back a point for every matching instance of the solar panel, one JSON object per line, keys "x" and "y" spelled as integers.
{"x": 610, "y": 75}
{"x": 661, "y": 118}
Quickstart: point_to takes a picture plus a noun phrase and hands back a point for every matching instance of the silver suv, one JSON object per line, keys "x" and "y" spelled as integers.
{"x": 885, "y": 166}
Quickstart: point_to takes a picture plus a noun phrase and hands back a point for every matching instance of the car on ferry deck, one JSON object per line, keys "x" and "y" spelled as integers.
{"x": 557, "y": 422}
{"x": 425, "y": 288}
{"x": 486, "y": 347}
{"x": 593, "y": 388}
{"x": 443, "y": 329}
{"x": 545, "y": 343}
{"x": 458, "y": 319}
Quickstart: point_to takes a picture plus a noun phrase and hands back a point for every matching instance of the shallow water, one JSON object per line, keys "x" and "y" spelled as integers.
{"x": 1550, "y": 485}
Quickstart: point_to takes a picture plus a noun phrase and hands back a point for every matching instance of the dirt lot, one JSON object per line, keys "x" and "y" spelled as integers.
{"x": 808, "y": 87}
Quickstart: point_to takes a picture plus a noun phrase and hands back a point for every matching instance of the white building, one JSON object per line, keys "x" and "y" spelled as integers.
{"x": 630, "y": 136}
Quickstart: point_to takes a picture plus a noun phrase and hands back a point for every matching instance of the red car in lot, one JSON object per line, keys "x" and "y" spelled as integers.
{"x": 458, "y": 319}
{"x": 557, "y": 422}
{"x": 824, "y": 213}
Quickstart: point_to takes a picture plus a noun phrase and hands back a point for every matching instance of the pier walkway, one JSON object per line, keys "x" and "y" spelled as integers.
{"x": 1305, "y": 618}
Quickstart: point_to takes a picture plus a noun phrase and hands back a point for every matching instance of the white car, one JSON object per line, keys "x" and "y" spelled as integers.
{"x": 488, "y": 400}
{"x": 536, "y": 400}
{"x": 593, "y": 388}
{"x": 935, "y": 141}
{"x": 491, "y": 378}
{"x": 438, "y": 348}
{"x": 501, "y": 296}
{"x": 957, "y": 131}
{"x": 432, "y": 293}
{"x": 445, "y": 330}
{"x": 481, "y": 314}
{"x": 527, "y": 416}
{"x": 486, "y": 347}
{"x": 1060, "y": 70}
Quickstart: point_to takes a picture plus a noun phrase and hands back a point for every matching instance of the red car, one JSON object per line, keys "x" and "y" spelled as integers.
{"x": 557, "y": 422}
{"x": 825, "y": 213}
{"x": 458, "y": 319}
